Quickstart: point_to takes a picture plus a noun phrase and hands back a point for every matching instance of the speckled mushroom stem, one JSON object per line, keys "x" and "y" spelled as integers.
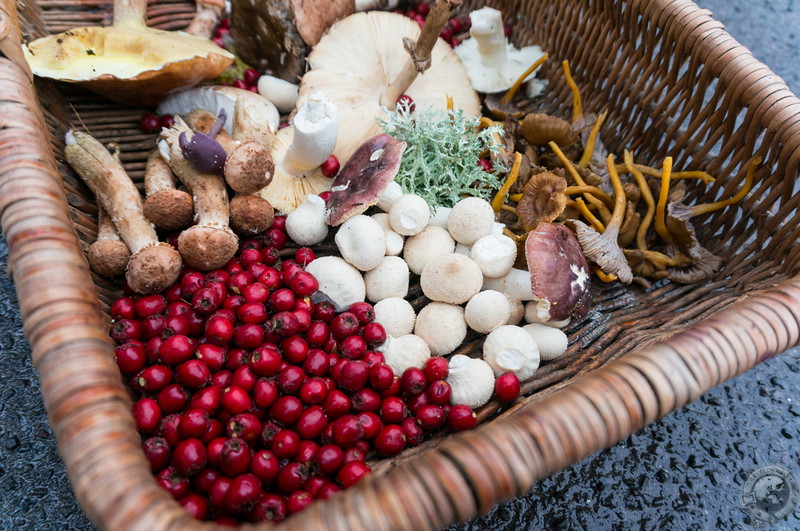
{"x": 165, "y": 206}
{"x": 108, "y": 255}
{"x": 420, "y": 50}
{"x": 208, "y": 15}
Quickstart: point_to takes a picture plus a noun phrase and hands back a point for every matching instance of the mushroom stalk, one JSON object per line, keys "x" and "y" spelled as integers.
{"x": 165, "y": 206}
{"x": 206, "y": 18}
{"x": 315, "y": 132}
{"x": 487, "y": 30}
{"x": 130, "y": 13}
{"x": 641, "y": 233}
{"x": 420, "y": 51}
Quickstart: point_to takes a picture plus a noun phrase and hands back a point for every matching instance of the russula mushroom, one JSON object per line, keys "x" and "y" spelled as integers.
{"x": 429, "y": 244}
{"x": 154, "y": 266}
{"x": 403, "y": 352}
{"x": 451, "y": 278}
{"x": 108, "y": 255}
{"x": 471, "y": 381}
{"x": 389, "y": 279}
{"x": 394, "y": 241}
{"x": 511, "y": 349}
{"x": 165, "y": 206}
{"x": 306, "y": 224}
{"x": 361, "y": 242}
{"x": 493, "y": 63}
{"x": 552, "y": 342}
{"x": 127, "y": 61}
{"x": 299, "y": 150}
{"x": 362, "y": 65}
{"x": 409, "y": 215}
{"x": 210, "y": 242}
{"x": 282, "y": 93}
{"x": 470, "y": 219}
{"x": 495, "y": 254}
{"x": 364, "y": 178}
{"x": 442, "y": 326}
{"x": 396, "y": 315}
{"x": 250, "y": 215}
{"x": 340, "y": 281}
{"x": 487, "y": 310}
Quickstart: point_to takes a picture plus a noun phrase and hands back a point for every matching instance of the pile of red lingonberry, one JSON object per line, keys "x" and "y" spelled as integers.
{"x": 252, "y": 400}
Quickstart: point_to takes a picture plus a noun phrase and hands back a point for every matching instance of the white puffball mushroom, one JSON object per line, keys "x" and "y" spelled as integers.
{"x": 463, "y": 250}
{"x": 452, "y": 278}
{"x": 511, "y": 349}
{"x": 517, "y": 310}
{"x": 388, "y": 279}
{"x": 470, "y": 219}
{"x": 552, "y": 342}
{"x": 423, "y": 247}
{"x": 404, "y": 352}
{"x": 486, "y": 311}
{"x": 340, "y": 281}
{"x": 538, "y": 312}
{"x": 495, "y": 254}
{"x": 396, "y": 315}
{"x": 440, "y": 216}
{"x": 389, "y": 195}
{"x": 394, "y": 241}
{"x": 362, "y": 242}
{"x": 409, "y": 214}
{"x": 442, "y": 326}
{"x": 471, "y": 381}
{"x": 306, "y": 224}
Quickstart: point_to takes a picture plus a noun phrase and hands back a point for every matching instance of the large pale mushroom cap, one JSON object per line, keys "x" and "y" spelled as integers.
{"x": 361, "y": 55}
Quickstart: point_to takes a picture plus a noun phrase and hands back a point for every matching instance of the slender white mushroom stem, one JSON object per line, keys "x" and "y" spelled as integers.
{"x": 487, "y": 30}
{"x": 420, "y": 51}
{"x": 315, "y": 131}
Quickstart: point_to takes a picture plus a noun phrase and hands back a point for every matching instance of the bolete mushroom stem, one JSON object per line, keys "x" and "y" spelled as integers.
{"x": 165, "y": 206}
{"x": 420, "y": 51}
{"x": 130, "y": 13}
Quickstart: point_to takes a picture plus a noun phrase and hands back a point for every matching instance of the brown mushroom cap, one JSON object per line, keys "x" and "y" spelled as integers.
{"x": 312, "y": 18}
{"x": 206, "y": 248}
{"x": 108, "y": 257}
{"x": 169, "y": 209}
{"x": 559, "y": 271}
{"x": 543, "y": 199}
{"x": 539, "y": 129}
{"x": 249, "y": 168}
{"x": 153, "y": 269}
{"x": 251, "y": 215}
{"x": 364, "y": 177}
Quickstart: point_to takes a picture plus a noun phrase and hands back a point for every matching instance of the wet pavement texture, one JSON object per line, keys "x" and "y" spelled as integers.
{"x": 686, "y": 471}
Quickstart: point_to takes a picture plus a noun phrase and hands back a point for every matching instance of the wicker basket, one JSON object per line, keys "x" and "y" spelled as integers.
{"x": 674, "y": 82}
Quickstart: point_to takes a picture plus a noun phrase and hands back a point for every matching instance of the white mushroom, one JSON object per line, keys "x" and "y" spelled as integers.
{"x": 340, "y": 281}
{"x": 493, "y": 64}
{"x": 306, "y": 224}
{"x": 391, "y": 194}
{"x": 452, "y": 278}
{"x": 396, "y": 315}
{"x": 429, "y": 244}
{"x": 515, "y": 284}
{"x": 497, "y": 228}
{"x": 440, "y": 216}
{"x": 279, "y": 91}
{"x": 517, "y": 310}
{"x": 495, "y": 254}
{"x": 470, "y": 219}
{"x": 552, "y": 342}
{"x": 463, "y": 249}
{"x": 409, "y": 214}
{"x": 511, "y": 349}
{"x": 394, "y": 241}
{"x": 404, "y": 352}
{"x": 534, "y": 313}
{"x": 442, "y": 326}
{"x": 362, "y": 242}
{"x": 471, "y": 381}
{"x": 487, "y": 310}
{"x": 388, "y": 279}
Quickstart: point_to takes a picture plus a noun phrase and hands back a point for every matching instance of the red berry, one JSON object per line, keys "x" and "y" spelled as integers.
{"x": 485, "y": 164}
{"x": 311, "y": 423}
{"x": 370, "y": 422}
{"x": 295, "y": 349}
{"x": 391, "y": 440}
{"x": 290, "y": 379}
{"x": 245, "y": 426}
{"x": 292, "y": 477}
{"x": 205, "y": 479}
{"x": 251, "y": 76}
{"x": 270, "y": 508}
{"x": 313, "y": 391}
{"x": 244, "y": 493}
{"x": 209, "y": 399}
{"x": 507, "y": 387}
{"x": 462, "y": 417}
{"x": 351, "y": 473}
{"x": 265, "y": 466}
{"x": 336, "y": 404}
{"x": 131, "y": 357}
{"x": 173, "y": 398}
{"x": 303, "y": 284}
{"x": 266, "y": 360}
{"x": 286, "y": 410}
{"x": 413, "y": 381}
{"x": 193, "y": 423}
{"x": 248, "y": 336}
{"x": 393, "y": 410}
{"x": 298, "y": 500}
{"x": 354, "y": 375}
{"x": 189, "y": 456}
{"x": 176, "y": 349}
{"x": 168, "y": 429}
{"x": 196, "y": 505}
{"x": 347, "y": 431}
{"x": 148, "y": 305}
{"x": 219, "y": 330}
{"x": 194, "y": 374}
{"x": 264, "y": 393}
{"x": 173, "y": 482}
{"x": 330, "y": 167}
{"x": 439, "y": 393}
{"x": 235, "y": 400}
{"x": 435, "y": 368}
{"x": 126, "y": 330}
{"x": 234, "y": 457}
{"x": 216, "y": 495}
{"x": 374, "y": 334}
{"x": 413, "y": 432}
{"x": 366, "y": 399}
{"x": 381, "y": 376}
{"x": 404, "y": 100}
{"x": 158, "y": 453}
{"x": 166, "y": 120}
{"x": 123, "y": 308}
{"x": 285, "y": 444}
{"x": 343, "y": 325}
{"x": 149, "y": 123}
{"x": 329, "y": 459}
{"x": 430, "y": 417}
{"x": 352, "y": 347}
{"x": 304, "y": 256}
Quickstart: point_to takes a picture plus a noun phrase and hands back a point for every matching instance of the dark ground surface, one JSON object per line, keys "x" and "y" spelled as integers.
{"x": 684, "y": 472}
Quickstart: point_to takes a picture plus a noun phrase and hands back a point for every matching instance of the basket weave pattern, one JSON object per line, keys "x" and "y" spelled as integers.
{"x": 674, "y": 82}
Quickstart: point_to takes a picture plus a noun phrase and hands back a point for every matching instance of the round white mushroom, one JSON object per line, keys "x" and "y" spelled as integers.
{"x": 487, "y": 310}
{"x": 452, "y": 278}
{"x": 388, "y": 279}
{"x": 340, "y": 281}
{"x": 495, "y": 254}
{"x": 394, "y": 241}
{"x": 471, "y": 381}
{"x": 442, "y": 326}
{"x": 362, "y": 242}
{"x": 517, "y": 308}
{"x": 552, "y": 342}
{"x": 463, "y": 249}
{"x": 511, "y": 349}
{"x": 306, "y": 224}
{"x": 396, "y": 315}
{"x": 470, "y": 219}
{"x": 421, "y": 248}
{"x": 409, "y": 214}
{"x": 404, "y": 352}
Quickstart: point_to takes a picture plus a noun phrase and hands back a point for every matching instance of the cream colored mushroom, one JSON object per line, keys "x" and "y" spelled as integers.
{"x": 394, "y": 241}
{"x": 396, "y": 315}
{"x": 471, "y": 381}
{"x": 451, "y": 278}
{"x": 429, "y": 244}
{"x": 470, "y": 219}
{"x": 280, "y": 92}
{"x": 515, "y": 284}
{"x": 388, "y": 279}
{"x": 409, "y": 214}
{"x": 404, "y": 352}
{"x": 362, "y": 242}
{"x": 440, "y": 216}
{"x": 442, "y": 326}
{"x": 340, "y": 281}
{"x": 511, "y": 349}
{"x": 517, "y": 310}
{"x": 552, "y": 342}
{"x": 306, "y": 224}
{"x": 487, "y": 310}
{"x": 495, "y": 254}
{"x": 391, "y": 194}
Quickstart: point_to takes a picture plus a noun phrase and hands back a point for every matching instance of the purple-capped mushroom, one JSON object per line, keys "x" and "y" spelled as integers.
{"x": 202, "y": 151}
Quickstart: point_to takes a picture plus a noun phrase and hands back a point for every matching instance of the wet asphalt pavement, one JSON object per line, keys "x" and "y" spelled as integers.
{"x": 687, "y": 471}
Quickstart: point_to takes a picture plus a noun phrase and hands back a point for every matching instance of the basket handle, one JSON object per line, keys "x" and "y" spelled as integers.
{"x": 11, "y": 38}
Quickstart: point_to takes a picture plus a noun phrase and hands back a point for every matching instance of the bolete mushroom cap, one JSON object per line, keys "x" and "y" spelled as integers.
{"x": 127, "y": 62}
{"x": 357, "y": 59}
{"x": 559, "y": 271}
{"x": 154, "y": 268}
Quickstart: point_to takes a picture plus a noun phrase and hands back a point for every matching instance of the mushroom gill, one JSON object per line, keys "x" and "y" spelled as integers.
{"x": 543, "y": 199}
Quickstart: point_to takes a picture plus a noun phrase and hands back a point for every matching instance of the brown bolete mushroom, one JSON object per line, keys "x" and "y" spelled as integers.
{"x": 210, "y": 243}
{"x": 361, "y": 181}
{"x": 127, "y": 61}
{"x": 362, "y": 66}
{"x": 165, "y": 206}
{"x": 154, "y": 266}
{"x": 108, "y": 255}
